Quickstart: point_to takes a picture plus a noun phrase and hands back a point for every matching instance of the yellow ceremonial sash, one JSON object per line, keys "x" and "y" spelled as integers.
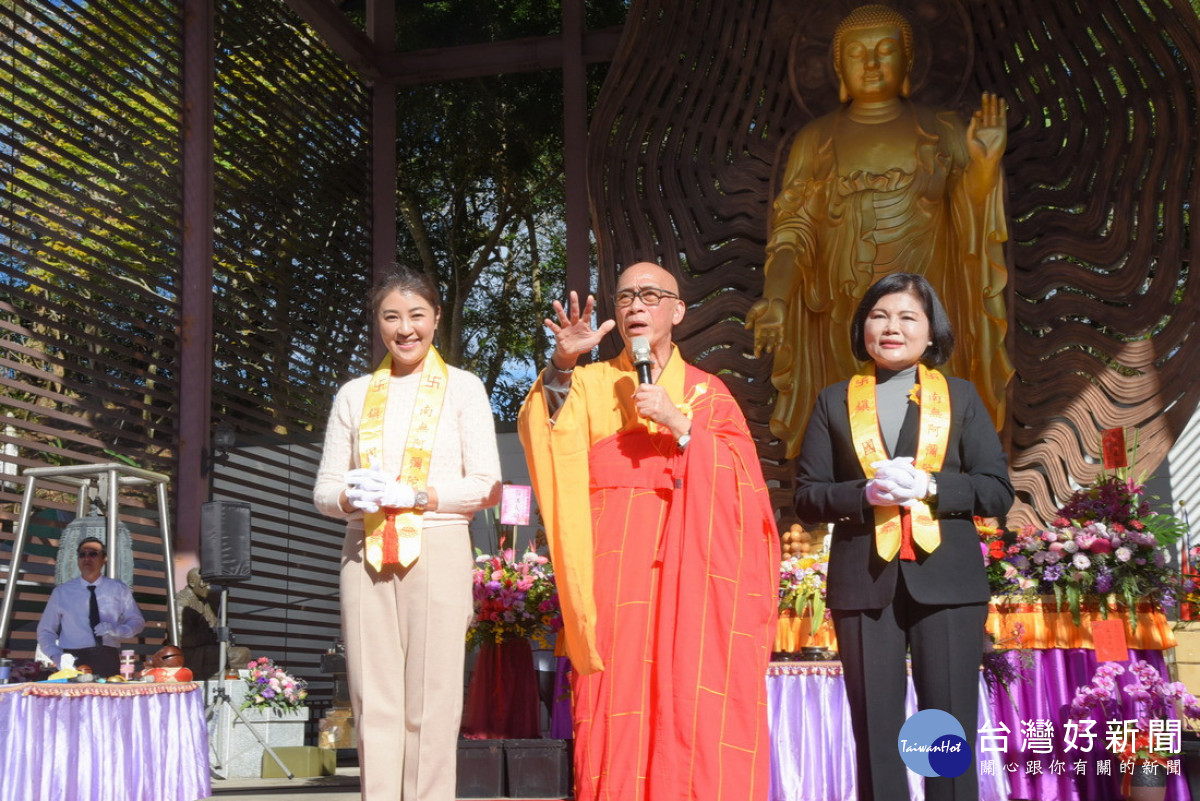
{"x": 394, "y": 536}
{"x": 933, "y": 436}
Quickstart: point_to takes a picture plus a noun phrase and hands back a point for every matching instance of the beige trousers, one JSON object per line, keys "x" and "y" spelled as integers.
{"x": 405, "y": 631}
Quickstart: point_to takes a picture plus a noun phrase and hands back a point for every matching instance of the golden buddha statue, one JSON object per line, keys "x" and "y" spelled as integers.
{"x": 883, "y": 185}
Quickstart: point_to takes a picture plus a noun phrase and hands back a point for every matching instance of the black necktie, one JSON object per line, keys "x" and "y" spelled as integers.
{"x": 94, "y": 613}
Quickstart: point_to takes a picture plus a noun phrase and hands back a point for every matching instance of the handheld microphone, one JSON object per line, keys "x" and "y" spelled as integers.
{"x": 640, "y": 348}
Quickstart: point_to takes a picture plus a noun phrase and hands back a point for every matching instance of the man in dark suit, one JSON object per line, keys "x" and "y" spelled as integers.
{"x": 901, "y": 488}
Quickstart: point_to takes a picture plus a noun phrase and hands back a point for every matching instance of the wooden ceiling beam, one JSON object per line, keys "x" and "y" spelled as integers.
{"x": 493, "y": 58}
{"x": 342, "y": 35}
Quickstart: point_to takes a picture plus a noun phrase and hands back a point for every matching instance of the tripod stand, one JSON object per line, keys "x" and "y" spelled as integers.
{"x": 221, "y": 696}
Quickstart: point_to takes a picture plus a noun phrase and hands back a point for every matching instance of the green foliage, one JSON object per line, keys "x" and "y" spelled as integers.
{"x": 480, "y": 188}
{"x": 292, "y": 235}
{"x": 448, "y": 23}
{"x": 1166, "y": 527}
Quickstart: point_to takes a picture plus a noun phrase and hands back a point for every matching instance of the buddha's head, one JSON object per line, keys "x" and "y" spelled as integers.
{"x": 873, "y": 54}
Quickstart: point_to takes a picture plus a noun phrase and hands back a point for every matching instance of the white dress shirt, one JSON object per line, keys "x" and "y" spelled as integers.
{"x": 64, "y": 624}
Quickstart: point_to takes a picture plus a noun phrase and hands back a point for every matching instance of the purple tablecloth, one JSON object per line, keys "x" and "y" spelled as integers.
{"x": 1044, "y": 693}
{"x": 812, "y": 745}
{"x": 151, "y": 747}
{"x": 560, "y": 714}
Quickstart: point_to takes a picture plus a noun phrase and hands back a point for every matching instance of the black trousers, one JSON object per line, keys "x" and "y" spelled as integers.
{"x": 104, "y": 660}
{"x": 946, "y": 645}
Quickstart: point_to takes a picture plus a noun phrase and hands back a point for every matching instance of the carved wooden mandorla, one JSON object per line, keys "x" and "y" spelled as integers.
{"x": 689, "y": 139}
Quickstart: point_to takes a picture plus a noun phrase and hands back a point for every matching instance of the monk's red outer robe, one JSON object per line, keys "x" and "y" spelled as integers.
{"x": 668, "y": 569}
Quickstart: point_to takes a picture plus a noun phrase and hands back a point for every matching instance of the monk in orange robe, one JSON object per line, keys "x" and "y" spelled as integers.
{"x": 665, "y": 549}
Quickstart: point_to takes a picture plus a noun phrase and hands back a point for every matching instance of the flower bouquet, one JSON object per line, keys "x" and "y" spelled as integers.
{"x": 802, "y": 586}
{"x": 1105, "y": 542}
{"x": 1006, "y": 661}
{"x": 1153, "y": 735}
{"x": 1189, "y": 607}
{"x": 514, "y": 598}
{"x": 994, "y": 542}
{"x": 271, "y": 687}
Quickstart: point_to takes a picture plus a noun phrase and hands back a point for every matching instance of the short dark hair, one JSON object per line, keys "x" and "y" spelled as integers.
{"x": 941, "y": 333}
{"x": 404, "y": 279}
{"x": 86, "y": 540}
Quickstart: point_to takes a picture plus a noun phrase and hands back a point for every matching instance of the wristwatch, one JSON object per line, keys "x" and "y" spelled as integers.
{"x": 931, "y": 488}
{"x": 420, "y": 500}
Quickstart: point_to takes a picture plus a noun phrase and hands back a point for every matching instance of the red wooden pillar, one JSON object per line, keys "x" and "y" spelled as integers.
{"x": 196, "y": 327}
{"x": 381, "y": 28}
{"x": 575, "y": 133}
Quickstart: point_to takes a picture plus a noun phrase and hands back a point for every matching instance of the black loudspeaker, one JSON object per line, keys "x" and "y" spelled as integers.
{"x": 225, "y": 541}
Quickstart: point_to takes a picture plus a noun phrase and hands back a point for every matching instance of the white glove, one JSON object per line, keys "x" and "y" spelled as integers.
{"x": 906, "y": 482}
{"x": 397, "y": 495}
{"x": 364, "y": 486}
{"x": 367, "y": 478}
{"x": 898, "y": 467}
{"x": 879, "y": 493}
{"x": 367, "y": 500}
{"x": 103, "y": 629}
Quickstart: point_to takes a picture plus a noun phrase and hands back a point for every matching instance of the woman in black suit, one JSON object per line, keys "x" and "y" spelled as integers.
{"x": 900, "y": 459}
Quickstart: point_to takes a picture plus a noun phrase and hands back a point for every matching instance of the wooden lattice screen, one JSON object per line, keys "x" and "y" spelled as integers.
{"x": 89, "y": 236}
{"x": 292, "y": 269}
{"x": 90, "y": 274}
{"x": 703, "y": 98}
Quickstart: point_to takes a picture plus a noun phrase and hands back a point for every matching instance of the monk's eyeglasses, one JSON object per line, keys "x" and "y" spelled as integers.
{"x": 650, "y": 296}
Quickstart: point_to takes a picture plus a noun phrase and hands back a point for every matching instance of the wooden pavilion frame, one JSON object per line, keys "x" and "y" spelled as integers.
{"x": 677, "y": 160}
{"x": 373, "y": 56}
{"x": 682, "y": 163}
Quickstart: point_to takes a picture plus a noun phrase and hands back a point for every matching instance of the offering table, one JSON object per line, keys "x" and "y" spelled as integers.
{"x": 82, "y": 741}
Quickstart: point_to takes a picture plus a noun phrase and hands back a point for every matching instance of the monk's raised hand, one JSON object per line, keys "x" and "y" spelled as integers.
{"x": 573, "y": 332}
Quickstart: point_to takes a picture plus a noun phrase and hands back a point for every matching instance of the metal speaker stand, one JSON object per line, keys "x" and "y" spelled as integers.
{"x": 221, "y": 695}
